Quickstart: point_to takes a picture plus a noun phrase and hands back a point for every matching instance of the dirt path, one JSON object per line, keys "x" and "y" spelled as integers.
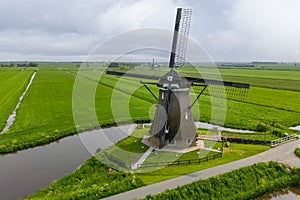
{"x": 283, "y": 153}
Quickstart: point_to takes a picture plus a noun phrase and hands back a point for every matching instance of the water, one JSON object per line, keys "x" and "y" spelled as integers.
{"x": 24, "y": 172}
{"x": 297, "y": 128}
{"x": 12, "y": 117}
{"x": 210, "y": 126}
{"x": 291, "y": 194}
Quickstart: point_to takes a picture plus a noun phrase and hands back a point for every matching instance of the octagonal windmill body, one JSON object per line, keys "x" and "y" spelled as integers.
{"x": 173, "y": 122}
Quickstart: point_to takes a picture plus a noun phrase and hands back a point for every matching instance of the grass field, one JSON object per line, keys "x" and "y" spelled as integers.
{"x": 270, "y": 78}
{"x": 258, "y": 73}
{"x": 13, "y": 82}
{"x": 46, "y": 115}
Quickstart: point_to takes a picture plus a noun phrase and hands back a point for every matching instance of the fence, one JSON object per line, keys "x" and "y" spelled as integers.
{"x": 180, "y": 162}
{"x": 247, "y": 141}
{"x": 283, "y": 139}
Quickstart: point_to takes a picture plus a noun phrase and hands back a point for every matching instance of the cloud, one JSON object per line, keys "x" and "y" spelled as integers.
{"x": 124, "y": 16}
{"x": 32, "y": 27}
{"x": 229, "y": 30}
{"x": 259, "y": 30}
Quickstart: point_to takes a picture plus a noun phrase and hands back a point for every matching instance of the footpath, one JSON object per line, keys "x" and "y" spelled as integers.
{"x": 283, "y": 154}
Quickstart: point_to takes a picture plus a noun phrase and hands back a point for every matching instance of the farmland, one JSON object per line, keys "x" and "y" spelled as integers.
{"x": 12, "y": 84}
{"x": 46, "y": 115}
{"x": 285, "y": 80}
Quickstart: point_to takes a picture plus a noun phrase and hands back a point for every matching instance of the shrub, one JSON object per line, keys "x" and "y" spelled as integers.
{"x": 261, "y": 127}
{"x": 297, "y": 152}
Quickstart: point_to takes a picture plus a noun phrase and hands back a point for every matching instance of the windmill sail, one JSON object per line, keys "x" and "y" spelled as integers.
{"x": 233, "y": 90}
{"x": 180, "y": 37}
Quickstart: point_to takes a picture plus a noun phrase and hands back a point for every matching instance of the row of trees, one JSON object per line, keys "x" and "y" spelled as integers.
{"x": 26, "y": 64}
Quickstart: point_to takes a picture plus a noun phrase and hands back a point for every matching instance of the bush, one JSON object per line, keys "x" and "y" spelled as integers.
{"x": 261, "y": 127}
{"x": 297, "y": 152}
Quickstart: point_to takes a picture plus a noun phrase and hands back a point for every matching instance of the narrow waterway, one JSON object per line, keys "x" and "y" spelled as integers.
{"x": 221, "y": 128}
{"x": 291, "y": 194}
{"x": 12, "y": 116}
{"x": 297, "y": 128}
{"x": 24, "y": 172}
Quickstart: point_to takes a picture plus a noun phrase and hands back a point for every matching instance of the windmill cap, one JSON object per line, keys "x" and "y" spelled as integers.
{"x": 174, "y": 80}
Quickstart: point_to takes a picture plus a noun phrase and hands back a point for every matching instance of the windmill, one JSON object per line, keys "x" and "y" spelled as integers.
{"x": 152, "y": 65}
{"x": 173, "y": 123}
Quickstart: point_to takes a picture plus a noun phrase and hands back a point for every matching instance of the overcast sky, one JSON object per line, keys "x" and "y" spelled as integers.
{"x": 231, "y": 30}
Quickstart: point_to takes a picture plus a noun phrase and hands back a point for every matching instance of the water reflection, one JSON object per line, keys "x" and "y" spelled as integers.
{"x": 23, "y": 173}
{"x": 291, "y": 194}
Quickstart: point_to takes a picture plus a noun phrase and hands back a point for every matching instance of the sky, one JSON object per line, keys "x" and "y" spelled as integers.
{"x": 231, "y": 30}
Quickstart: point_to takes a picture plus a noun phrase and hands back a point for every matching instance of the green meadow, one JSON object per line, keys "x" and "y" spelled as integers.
{"x": 46, "y": 115}
{"x": 12, "y": 84}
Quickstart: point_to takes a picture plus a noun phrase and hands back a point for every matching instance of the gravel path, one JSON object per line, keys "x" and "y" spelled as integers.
{"x": 283, "y": 153}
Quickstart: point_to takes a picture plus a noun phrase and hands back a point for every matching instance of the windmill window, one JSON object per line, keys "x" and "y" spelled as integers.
{"x": 170, "y": 78}
{"x": 172, "y": 142}
{"x": 189, "y": 141}
{"x": 186, "y": 115}
{"x": 162, "y": 95}
{"x": 174, "y": 86}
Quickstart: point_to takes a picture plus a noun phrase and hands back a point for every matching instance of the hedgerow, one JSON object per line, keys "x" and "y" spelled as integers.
{"x": 245, "y": 183}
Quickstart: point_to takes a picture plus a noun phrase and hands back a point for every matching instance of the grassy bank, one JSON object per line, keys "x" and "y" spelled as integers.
{"x": 93, "y": 179}
{"x": 245, "y": 183}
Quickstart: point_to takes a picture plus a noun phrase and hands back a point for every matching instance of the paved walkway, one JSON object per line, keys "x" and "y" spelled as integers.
{"x": 142, "y": 159}
{"x": 283, "y": 153}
